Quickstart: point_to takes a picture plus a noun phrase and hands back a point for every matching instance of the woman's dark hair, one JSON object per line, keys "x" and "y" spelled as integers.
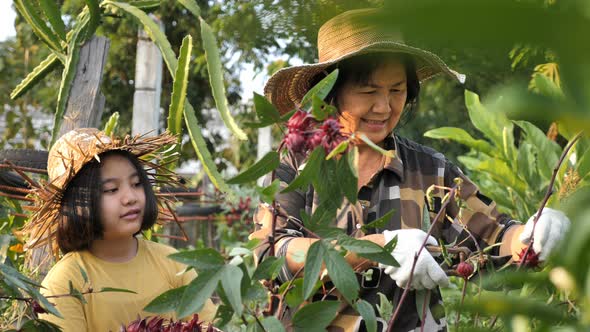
{"x": 359, "y": 69}
{"x": 80, "y": 220}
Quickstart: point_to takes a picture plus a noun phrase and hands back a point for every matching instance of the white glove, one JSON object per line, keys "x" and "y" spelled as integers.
{"x": 551, "y": 227}
{"x": 427, "y": 273}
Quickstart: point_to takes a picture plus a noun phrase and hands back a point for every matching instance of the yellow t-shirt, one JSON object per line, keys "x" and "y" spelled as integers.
{"x": 149, "y": 274}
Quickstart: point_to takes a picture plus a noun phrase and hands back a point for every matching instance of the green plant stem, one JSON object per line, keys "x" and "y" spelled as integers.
{"x": 463, "y": 292}
{"x": 407, "y": 288}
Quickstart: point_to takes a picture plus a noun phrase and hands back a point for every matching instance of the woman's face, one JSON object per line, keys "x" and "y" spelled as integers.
{"x": 123, "y": 198}
{"x": 374, "y": 108}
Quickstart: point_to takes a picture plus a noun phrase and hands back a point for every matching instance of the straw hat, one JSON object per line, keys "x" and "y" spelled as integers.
{"x": 346, "y": 35}
{"x": 66, "y": 158}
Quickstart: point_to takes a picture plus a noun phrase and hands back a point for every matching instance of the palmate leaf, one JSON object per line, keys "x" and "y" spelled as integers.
{"x": 214, "y": 68}
{"x": 308, "y": 173}
{"x": 313, "y": 264}
{"x": 347, "y": 177}
{"x": 368, "y": 249}
{"x": 230, "y": 281}
{"x": 269, "y": 162}
{"x": 320, "y": 90}
{"x": 53, "y": 14}
{"x": 491, "y": 124}
{"x": 201, "y": 259}
{"x": 36, "y": 75}
{"x": 315, "y": 316}
{"x": 269, "y": 268}
{"x": 68, "y": 76}
{"x": 166, "y": 302}
{"x": 266, "y": 112}
{"x": 547, "y": 151}
{"x": 268, "y": 193}
{"x": 198, "y": 291}
{"x": 365, "y": 309}
{"x": 341, "y": 274}
{"x": 179, "y": 87}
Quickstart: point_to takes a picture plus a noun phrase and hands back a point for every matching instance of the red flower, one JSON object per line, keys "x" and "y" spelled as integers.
{"x": 531, "y": 260}
{"x": 332, "y": 135}
{"x": 37, "y": 308}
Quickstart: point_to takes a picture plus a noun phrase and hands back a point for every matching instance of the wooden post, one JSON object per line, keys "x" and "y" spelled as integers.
{"x": 83, "y": 110}
{"x": 148, "y": 85}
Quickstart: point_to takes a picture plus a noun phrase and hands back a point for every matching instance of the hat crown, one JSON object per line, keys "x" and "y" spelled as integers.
{"x": 350, "y": 32}
{"x": 66, "y": 157}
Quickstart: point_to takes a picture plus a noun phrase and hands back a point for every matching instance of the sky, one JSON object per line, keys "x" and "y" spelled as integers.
{"x": 7, "y": 16}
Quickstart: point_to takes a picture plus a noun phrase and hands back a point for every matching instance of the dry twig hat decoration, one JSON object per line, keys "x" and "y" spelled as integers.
{"x": 67, "y": 157}
{"x": 349, "y": 34}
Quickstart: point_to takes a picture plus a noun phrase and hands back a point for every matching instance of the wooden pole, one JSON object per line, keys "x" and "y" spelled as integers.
{"x": 83, "y": 110}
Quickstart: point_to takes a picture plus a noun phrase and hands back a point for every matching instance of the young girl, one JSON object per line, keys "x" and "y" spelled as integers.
{"x": 99, "y": 197}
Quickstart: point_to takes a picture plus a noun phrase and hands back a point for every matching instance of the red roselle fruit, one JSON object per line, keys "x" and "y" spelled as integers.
{"x": 531, "y": 260}
{"x": 465, "y": 270}
{"x": 37, "y": 308}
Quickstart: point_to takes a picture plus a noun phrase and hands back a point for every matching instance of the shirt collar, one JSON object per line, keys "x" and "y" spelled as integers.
{"x": 394, "y": 164}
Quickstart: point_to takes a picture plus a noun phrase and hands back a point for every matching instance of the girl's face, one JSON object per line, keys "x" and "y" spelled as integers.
{"x": 123, "y": 198}
{"x": 374, "y": 108}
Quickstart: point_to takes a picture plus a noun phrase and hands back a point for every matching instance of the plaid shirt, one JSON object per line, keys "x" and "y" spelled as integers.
{"x": 400, "y": 185}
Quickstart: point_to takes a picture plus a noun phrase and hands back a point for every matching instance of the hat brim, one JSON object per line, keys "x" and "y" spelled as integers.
{"x": 286, "y": 87}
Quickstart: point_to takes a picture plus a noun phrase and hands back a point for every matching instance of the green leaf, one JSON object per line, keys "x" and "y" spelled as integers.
{"x": 214, "y": 68}
{"x": 83, "y": 273}
{"x": 29, "y": 13}
{"x": 347, "y": 178}
{"x": 502, "y": 173}
{"x": 269, "y": 268}
{"x": 342, "y": 275}
{"x": 38, "y": 325}
{"x": 313, "y": 264}
{"x": 491, "y": 124}
{"x": 583, "y": 163}
{"x": 166, "y": 302}
{"x": 320, "y": 90}
{"x": 378, "y": 223}
{"x": 268, "y": 194}
{"x": 266, "y": 112}
{"x": 45, "y": 67}
{"x": 198, "y": 291}
{"x": 548, "y": 151}
{"x": 315, "y": 316}
{"x": 285, "y": 117}
{"x": 309, "y": 171}
{"x": 546, "y": 86}
{"x": 200, "y": 146}
{"x": 53, "y": 14}
{"x": 422, "y": 299}
{"x": 179, "y": 87}
{"x": 338, "y": 150}
{"x": 230, "y": 281}
{"x": 94, "y": 10}
{"x": 67, "y": 78}
{"x": 376, "y": 147}
{"x": 368, "y": 249}
{"x": 366, "y": 311}
{"x": 74, "y": 292}
{"x": 269, "y": 162}
{"x": 271, "y": 323}
{"x": 153, "y": 31}
{"x": 384, "y": 307}
{"x": 461, "y": 136}
{"x": 115, "y": 290}
{"x": 320, "y": 109}
{"x": 192, "y": 6}
{"x": 145, "y": 4}
{"x": 112, "y": 124}
{"x": 201, "y": 259}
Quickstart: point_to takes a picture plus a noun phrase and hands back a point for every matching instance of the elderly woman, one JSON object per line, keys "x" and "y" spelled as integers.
{"x": 378, "y": 84}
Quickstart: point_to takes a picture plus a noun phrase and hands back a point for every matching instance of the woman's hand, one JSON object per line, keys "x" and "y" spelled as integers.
{"x": 427, "y": 273}
{"x": 550, "y": 229}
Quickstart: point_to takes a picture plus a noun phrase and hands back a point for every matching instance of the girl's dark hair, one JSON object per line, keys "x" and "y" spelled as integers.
{"x": 80, "y": 220}
{"x": 359, "y": 70}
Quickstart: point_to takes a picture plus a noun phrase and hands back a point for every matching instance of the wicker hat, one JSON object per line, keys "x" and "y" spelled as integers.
{"x": 346, "y": 35}
{"x": 66, "y": 158}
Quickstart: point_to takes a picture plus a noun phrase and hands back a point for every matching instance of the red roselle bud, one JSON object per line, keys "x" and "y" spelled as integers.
{"x": 465, "y": 270}
{"x": 295, "y": 141}
{"x": 37, "y": 308}
{"x": 531, "y": 260}
{"x": 331, "y": 128}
